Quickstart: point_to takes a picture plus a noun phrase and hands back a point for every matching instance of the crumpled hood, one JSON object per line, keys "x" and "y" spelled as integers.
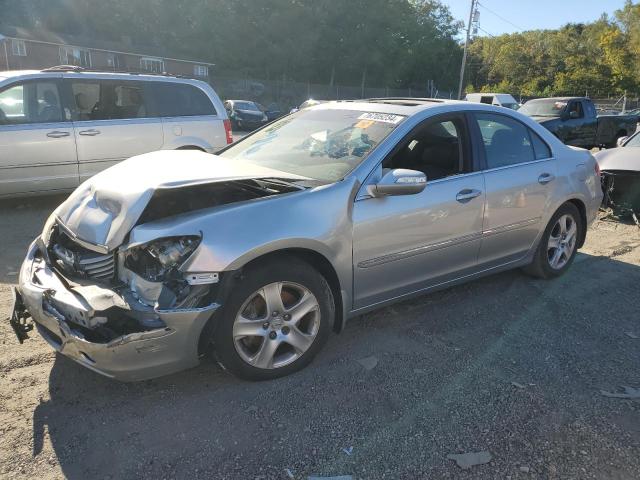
{"x": 105, "y": 208}
{"x": 621, "y": 158}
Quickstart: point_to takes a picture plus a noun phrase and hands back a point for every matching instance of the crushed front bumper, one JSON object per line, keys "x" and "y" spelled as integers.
{"x": 58, "y": 311}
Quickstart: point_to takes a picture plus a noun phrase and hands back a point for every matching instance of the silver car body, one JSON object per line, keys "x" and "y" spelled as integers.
{"x": 44, "y": 157}
{"x": 373, "y": 250}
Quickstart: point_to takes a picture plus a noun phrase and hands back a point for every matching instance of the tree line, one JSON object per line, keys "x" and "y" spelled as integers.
{"x": 381, "y": 43}
{"x": 598, "y": 58}
{"x": 392, "y": 43}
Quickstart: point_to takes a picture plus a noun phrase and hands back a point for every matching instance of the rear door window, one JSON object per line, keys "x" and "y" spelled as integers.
{"x": 179, "y": 100}
{"x": 108, "y": 100}
{"x": 540, "y": 148}
{"x": 31, "y": 102}
{"x": 506, "y": 141}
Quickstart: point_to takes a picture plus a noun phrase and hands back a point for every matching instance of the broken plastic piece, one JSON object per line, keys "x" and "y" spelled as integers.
{"x": 369, "y": 363}
{"x": 629, "y": 393}
{"x": 471, "y": 459}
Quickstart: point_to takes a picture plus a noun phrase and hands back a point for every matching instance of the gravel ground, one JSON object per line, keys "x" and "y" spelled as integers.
{"x": 506, "y": 364}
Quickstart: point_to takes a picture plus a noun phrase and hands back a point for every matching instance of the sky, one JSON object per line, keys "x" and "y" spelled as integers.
{"x": 519, "y": 15}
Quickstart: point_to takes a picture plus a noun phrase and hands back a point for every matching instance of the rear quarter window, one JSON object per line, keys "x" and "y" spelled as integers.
{"x": 179, "y": 100}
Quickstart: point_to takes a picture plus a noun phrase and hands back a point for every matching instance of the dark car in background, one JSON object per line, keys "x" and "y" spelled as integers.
{"x": 574, "y": 121}
{"x": 245, "y": 114}
{"x": 272, "y": 111}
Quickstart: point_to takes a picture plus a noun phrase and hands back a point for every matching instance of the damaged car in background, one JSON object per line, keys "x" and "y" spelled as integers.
{"x": 256, "y": 254}
{"x": 620, "y": 169}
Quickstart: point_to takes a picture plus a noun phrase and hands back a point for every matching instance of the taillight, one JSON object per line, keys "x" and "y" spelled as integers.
{"x": 227, "y": 130}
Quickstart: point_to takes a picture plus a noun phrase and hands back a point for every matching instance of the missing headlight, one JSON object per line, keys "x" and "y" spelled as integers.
{"x": 158, "y": 261}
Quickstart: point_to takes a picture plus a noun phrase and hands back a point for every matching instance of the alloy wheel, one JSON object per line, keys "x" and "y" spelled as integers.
{"x": 562, "y": 242}
{"x": 276, "y": 325}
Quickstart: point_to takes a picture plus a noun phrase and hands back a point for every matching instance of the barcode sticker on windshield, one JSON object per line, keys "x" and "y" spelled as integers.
{"x": 382, "y": 117}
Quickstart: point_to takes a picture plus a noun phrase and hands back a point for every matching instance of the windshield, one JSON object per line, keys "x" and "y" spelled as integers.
{"x": 633, "y": 141}
{"x": 543, "y": 108}
{"x": 246, "y": 106}
{"x": 324, "y": 145}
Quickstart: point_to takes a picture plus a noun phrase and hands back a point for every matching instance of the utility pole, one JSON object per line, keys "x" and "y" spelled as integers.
{"x": 472, "y": 17}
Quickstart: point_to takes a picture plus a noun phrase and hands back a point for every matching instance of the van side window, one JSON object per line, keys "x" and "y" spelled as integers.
{"x": 506, "y": 141}
{"x": 107, "y": 100}
{"x": 30, "y": 102}
{"x": 180, "y": 100}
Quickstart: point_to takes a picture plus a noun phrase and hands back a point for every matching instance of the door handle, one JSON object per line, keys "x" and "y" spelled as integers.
{"x": 467, "y": 194}
{"x": 57, "y": 134}
{"x": 545, "y": 178}
{"x": 89, "y": 133}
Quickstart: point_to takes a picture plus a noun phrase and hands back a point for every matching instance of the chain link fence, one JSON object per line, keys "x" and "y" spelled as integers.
{"x": 288, "y": 94}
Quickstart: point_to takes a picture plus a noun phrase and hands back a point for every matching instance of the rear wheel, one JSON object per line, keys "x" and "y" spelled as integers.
{"x": 275, "y": 321}
{"x": 558, "y": 245}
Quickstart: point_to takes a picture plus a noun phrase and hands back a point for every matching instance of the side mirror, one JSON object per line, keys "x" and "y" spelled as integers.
{"x": 399, "y": 182}
{"x": 620, "y": 141}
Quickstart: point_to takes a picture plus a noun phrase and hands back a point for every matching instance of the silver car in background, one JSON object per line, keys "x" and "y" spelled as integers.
{"x": 257, "y": 254}
{"x": 62, "y": 125}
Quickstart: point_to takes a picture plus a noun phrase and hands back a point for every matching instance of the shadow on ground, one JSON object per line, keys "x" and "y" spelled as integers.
{"x": 506, "y": 364}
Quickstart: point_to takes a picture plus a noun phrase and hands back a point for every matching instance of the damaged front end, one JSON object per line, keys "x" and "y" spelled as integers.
{"x": 129, "y": 314}
{"x": 621, "y": 191}
{"x": 126, "y": 308}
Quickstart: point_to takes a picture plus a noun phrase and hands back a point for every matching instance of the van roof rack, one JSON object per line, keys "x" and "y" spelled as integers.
{"x": 63, "y": 68}
{"x": 75, "y": 68}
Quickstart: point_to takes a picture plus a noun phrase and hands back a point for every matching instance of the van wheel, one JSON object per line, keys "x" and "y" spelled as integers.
{"x": 558, "y": 245}
{"x": 190, "y": 147}
{"x": 275, "y": 320}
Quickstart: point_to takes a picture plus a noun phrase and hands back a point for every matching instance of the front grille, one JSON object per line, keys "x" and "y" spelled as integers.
{"x": 77, "y": 261}
{"x": 101, "y": 267}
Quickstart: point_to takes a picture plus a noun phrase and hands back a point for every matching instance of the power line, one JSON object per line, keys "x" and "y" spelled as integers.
{"x": 500, "y": 17}
{"x": 483, "y": 30}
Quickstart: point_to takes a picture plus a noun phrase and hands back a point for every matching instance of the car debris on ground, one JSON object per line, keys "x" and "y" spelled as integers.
{"x": 470, "y": 459}
{"x": 629, "y": 393}
{"x": 369, "y": 363}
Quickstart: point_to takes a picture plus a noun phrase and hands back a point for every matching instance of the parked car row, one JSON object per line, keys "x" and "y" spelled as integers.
{"x": 574, "y": 121}
{"x": 257, "y": 253}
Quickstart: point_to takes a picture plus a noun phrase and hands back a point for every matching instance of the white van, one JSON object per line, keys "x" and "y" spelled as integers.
{"x": 60, "y": 126}
{"x": 499, "y": 99}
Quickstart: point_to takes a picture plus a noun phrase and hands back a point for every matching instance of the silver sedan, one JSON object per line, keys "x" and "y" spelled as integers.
{"x": 258, "y": 253}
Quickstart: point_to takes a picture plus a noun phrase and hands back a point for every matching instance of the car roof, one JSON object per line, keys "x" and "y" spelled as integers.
{"x": 392, "y": 105}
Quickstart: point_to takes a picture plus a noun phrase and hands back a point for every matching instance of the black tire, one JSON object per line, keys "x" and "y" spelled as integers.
{"x": 541, "y": 267}
{"x": 281, "y": 269}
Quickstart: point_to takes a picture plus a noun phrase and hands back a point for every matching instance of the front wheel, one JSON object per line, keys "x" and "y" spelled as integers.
{"x": 275, "y": 321}
{"x": 558, "y": 245}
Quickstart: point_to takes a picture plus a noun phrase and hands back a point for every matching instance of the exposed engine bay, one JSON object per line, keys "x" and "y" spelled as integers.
{"x": 125, "y": 289}
{"x": 621, "y": 191}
